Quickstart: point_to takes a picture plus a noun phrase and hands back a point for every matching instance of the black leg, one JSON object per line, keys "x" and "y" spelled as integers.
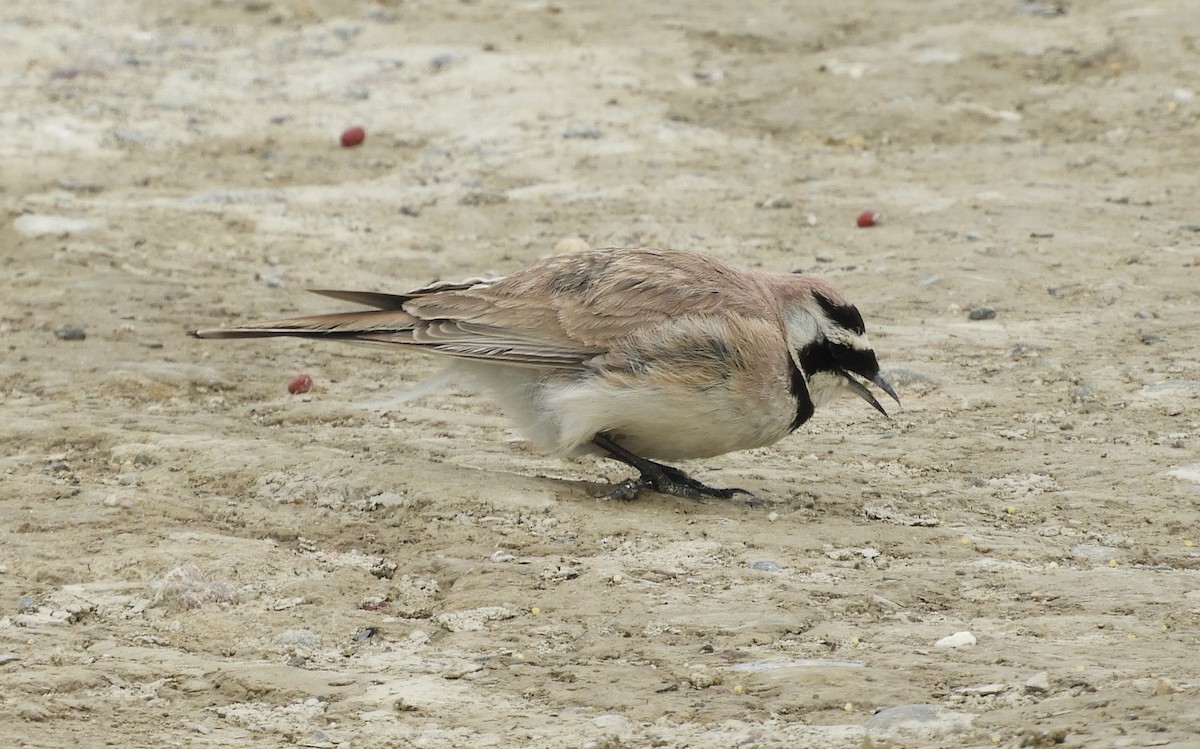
{"x": 657, "y": 476}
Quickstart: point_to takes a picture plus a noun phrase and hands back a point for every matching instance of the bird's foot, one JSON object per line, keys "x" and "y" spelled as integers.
{"x": 668, "y": 480}
{"x": 656, "y": 476}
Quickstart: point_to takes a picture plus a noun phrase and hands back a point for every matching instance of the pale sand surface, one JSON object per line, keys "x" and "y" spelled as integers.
{"x": 189, "y": 556}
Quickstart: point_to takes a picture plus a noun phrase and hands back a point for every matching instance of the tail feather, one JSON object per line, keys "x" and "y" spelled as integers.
{"x": 346, "y": 325}
{"x": 376, "y": 299}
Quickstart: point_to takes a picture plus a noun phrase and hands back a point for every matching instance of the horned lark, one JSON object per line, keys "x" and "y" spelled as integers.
{"x": 628, "y": 353}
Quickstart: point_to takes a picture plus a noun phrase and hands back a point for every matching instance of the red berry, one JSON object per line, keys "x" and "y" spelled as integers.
{"x": 867, "y": 218}
{"x": 353, "y": 137}
{"x": 301, "y": 383}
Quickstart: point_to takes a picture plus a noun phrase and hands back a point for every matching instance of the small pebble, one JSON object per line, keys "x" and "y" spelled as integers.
{"x": 766, "y": 566}
{"x": 353, "y": 136}
{"x": 1142, "y": 315}
{"x": 297, "y": 640}
{"x": 1039, "y": 682}
{"x": 300, "y": 384}
{"x": 500, "y": 556}
{"x": 272, "y": 278}
{"x": 34, "y": 225}
{"x": 981, "y": 313}
{"x": 612, "y": 723}
{"x": 956, "y": 640}
{"x": 867, "y": 219}
{"x": 1041, "y": 234}
{"x": 26, "y": 605}
{"x": 584, "y": 133}
{"x": 1149, "y": 338}
{"x": 71, "y": 333}
{"x": 122, "y": 500}
{"x": 776, "y": 202}
{"x": 319, "y": 740}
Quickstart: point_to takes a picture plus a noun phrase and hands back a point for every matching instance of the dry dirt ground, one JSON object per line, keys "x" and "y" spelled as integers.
{"x": 192, "y": 557}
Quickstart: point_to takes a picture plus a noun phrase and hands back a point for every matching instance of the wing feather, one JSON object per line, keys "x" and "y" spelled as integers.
{"x": 560, "y": 312}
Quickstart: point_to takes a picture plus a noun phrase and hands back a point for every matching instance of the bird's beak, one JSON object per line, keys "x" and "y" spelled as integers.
{"x": 886, "y": 387}
{"x": 861, "y": 391}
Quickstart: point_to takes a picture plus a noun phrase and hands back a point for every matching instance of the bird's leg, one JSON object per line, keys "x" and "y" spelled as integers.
{"x": 656, "y": 476}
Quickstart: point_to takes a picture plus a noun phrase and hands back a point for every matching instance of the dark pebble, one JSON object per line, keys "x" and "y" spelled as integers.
{"x": 71, "y": 333}
{"x": 584, "y": 133}
{"x": 981, "y": 313}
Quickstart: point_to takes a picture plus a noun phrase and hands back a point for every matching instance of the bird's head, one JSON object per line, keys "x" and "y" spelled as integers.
{"x": 829, "y": 343}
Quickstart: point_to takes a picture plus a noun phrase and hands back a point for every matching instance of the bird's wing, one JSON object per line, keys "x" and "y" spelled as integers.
{"x": 560, "y": 312}
{"x": 595, "y": 299}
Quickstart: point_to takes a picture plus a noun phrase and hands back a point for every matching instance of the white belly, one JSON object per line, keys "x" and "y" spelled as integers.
{"x": 661, "y": 423}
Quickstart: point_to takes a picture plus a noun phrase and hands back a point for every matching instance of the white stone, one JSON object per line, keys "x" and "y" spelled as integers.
{"x": 1039, "y": 682}
{"x": 956, "y": 640}
{"x": 610, "y": 723}
{"x": 36, "y": 225}
{"x": 1186, "y": 473}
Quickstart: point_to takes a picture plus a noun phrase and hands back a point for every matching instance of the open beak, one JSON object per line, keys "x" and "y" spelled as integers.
{"x": 861, "y": 391}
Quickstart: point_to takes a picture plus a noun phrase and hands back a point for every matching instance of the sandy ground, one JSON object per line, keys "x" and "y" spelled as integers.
{"x": 192, "y": 557}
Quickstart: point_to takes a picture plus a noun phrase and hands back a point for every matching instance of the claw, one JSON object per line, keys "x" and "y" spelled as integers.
{"x": 661, "y": 478}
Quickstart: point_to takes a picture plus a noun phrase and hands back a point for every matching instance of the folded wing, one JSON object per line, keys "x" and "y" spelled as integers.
{"x": 560, "y": 312}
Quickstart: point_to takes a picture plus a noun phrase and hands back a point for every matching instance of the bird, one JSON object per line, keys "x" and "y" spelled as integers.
{"x": 635, "y": 354}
